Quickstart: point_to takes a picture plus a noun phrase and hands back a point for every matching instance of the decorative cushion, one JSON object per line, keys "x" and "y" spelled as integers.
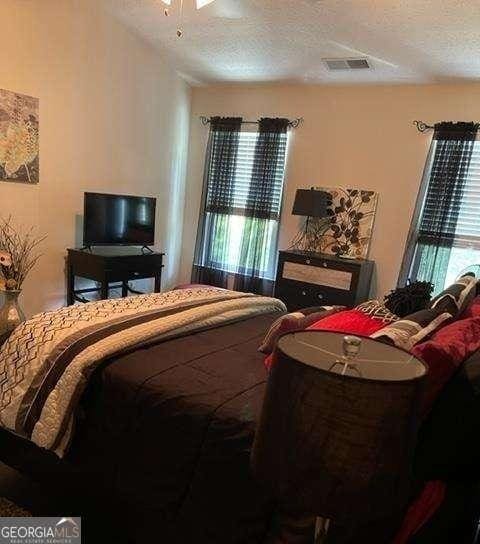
{"x": 191, "y": 286}
{"x": 349, "y": 321}
{"x": 455, "y": 298}
{"x": 295, "y": 321}
{"x": 445, "y": 351}
{"x": 472, "y": 310}
{"x": 378, "y": 310}
{"x": 411, "y": 330}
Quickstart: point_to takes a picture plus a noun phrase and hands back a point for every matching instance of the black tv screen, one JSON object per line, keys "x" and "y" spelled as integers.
{"x": 118, "y": 220}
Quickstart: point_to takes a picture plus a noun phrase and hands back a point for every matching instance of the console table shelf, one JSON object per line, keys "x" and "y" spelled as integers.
{"x": 111, "y": 270}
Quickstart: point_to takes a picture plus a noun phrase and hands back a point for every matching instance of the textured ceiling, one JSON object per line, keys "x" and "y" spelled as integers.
{"x": 286, "y": 40}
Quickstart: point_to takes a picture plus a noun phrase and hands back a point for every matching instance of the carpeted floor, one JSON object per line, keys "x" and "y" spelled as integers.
{"x": 24, "y": 493}
{"x": 19, "y": 493}
{"x": 10, "y": 510}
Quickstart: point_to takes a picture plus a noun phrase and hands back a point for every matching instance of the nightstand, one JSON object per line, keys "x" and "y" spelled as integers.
{"x": 313, "y": 279}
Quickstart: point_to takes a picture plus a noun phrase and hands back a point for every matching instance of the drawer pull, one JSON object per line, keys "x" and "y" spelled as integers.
{"x": 304, "y": 293}
{"x": 307, "y": 261}
{"x": 136, "y": 273}
{"x": 320, "y": 296}
{"x": 325, "y": 265}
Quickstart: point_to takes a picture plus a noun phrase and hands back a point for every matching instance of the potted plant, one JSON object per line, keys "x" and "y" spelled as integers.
{"x": 18, "y": 256}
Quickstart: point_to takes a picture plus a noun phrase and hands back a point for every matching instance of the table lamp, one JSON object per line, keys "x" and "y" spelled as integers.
{"x": 310, "y": 203}
{"x": 338, "y": 427}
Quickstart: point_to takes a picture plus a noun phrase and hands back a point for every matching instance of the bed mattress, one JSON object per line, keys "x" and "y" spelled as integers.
{"x": 165, "y": 434}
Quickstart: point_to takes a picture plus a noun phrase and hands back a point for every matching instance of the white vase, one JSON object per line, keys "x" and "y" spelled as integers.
{"x": 11, "y": 315}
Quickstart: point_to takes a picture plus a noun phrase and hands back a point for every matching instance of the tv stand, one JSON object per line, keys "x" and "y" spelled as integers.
{"x": 111, "y": 270}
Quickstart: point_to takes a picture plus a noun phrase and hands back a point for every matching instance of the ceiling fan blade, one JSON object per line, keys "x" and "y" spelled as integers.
{"x": 202, "y": 3}
{"x": 229, "y": 9}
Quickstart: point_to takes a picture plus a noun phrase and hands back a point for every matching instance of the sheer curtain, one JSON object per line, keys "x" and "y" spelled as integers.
{"x": 238, "y": 227}
{"x": 262, "y": 208}
{"x": 432, "y": 234}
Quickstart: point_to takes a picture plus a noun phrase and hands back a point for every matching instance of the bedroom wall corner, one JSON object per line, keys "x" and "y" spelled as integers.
{"x": 114, "y": 117}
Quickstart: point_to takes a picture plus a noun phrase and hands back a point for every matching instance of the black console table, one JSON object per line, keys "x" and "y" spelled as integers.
{"x": 111, "y": 270}
{"x": 313, "y": 279}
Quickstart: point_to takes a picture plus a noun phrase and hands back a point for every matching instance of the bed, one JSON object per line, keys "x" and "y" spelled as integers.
{"x": 164, "y": 427}
{"x": 163, "y": 436}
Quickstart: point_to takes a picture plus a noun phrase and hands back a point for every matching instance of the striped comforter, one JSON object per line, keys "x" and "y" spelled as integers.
{"x": 46, "y": 363}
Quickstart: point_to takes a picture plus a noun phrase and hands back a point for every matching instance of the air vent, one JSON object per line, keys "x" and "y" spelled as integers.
{"x": 347, "y": 64}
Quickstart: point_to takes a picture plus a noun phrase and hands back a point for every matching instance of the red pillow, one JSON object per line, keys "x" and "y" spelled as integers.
{"x": 349, "y": 321}
{"x": 446, "y": 350}
{"x": 192, "y": 286}
{"x": 473, "y": 309}
{"x": 295, "y": 321}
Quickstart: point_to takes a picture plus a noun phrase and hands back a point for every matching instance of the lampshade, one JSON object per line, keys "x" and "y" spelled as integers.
{"x": 311, "y": 203}
{"x": 338, "y": 446}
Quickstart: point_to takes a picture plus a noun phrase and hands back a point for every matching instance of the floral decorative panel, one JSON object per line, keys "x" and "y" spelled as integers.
{"x": 19, "y": 149}
{"x": 350, "y": 224}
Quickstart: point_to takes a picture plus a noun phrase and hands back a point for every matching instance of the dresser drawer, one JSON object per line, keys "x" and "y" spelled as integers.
{"x": 132, "y": 268}
{"x": 128, "y": 274}
{"x": 299, "y": 295}
{"x": 318, "y": 275}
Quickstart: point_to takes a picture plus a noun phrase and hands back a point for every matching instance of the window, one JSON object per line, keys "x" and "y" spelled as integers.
{"x": 447, "y": 238}
{"x": 229, "y": 232}
{"x": 243, "y": 187}
{"x": 466, "y": 247}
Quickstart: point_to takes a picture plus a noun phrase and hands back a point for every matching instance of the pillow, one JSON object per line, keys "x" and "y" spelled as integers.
{"x": 192, "y": 286}
{"x": 295, "y": 321}
{"x": 455, "y": 298}
{"x": 378, "y": 310}
{"x": 473, "y": 310}
{"x": 412, "y": 329}
{"x": 349, "y": 321}
{"x": 445, "y": 351}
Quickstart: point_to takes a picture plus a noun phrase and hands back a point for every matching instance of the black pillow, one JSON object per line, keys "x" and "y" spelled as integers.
{"x": 455, "y": 298}
{"x": 412, "y": 329}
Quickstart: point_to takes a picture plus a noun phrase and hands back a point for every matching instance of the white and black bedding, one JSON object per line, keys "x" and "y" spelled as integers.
{"x": 46, "y": 363}
{"x": 165, "y": 434}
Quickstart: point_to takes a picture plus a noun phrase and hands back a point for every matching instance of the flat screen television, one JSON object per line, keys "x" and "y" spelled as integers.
{"x": 110, "y": 220}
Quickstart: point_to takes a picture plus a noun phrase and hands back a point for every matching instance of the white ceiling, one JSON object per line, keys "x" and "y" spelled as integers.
{"x": 406, "y": 41}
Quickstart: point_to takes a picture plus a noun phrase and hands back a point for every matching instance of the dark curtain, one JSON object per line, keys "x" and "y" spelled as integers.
{"x": 432, "y": 234}
{"x": 217, "y": 201}
{"x": 243, "y": 248}
{"x": 261, "y": 207}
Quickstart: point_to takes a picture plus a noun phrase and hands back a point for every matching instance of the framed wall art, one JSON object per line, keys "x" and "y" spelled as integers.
{"x": 19, "y": 138}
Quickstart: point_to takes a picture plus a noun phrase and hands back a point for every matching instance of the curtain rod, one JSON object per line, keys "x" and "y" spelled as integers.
{"x": 294, "y": 123}
{"x": 422, "y": 127}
